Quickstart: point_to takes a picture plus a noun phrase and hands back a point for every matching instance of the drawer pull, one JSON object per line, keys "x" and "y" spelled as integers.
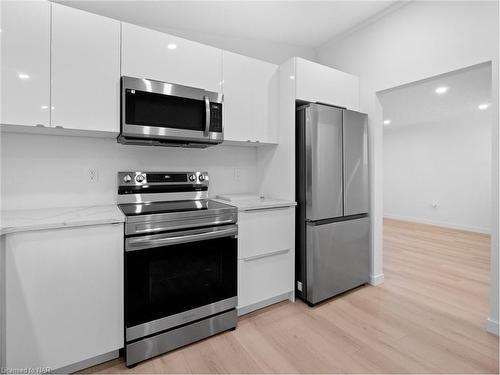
{"x": 266, "y": 255}
{"x": 267, "y": 208}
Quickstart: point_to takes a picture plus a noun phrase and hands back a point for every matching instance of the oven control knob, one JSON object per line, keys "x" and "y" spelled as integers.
{"x": 201, "y": 178}
{"x": 192, "y": 177}
{"x": 127, "y": 178}
{"x": 139, "y": 178}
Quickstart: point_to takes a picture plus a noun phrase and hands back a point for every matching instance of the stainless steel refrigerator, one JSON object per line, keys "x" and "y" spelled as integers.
{"x": 333, "y": 227}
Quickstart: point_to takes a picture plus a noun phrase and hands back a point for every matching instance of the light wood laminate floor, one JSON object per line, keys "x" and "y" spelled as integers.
{"x": 427, "y": 317}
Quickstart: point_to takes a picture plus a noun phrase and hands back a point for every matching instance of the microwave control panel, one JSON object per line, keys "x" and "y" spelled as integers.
{"x": 216, "y": 117}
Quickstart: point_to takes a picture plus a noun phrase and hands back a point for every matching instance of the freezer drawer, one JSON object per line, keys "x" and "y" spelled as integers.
{"x": 337, "y": 257}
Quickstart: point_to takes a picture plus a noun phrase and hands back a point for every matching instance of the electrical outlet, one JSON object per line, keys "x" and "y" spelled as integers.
{"x": 93, "y": 175}
{"x": 299, "y": 286}
{"x": 237, "y": 174}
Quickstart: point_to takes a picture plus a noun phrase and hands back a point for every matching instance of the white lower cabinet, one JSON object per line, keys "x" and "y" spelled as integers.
{"x": 63, "y": 295}
{"x": 266, "y": 255}
{"x": 264, "y": 280}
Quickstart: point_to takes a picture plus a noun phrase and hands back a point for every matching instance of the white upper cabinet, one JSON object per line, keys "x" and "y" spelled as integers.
{"x": 251, "y": 96}
{"x": 319, "y": 83}
{"x": 25, "y": 62}
{"x": 85, "y": 70}
{"x": 154, "y": 55}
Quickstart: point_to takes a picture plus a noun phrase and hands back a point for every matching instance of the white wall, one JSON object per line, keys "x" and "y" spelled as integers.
{"x": 52, "y": 171}
{"x": 420, "y": 40}
{"x": 448, "y": 161}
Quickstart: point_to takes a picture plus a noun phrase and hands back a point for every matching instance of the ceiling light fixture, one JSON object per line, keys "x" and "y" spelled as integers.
{"x": 45, "y": 107}
{"x": 172, "y": 46}
{"x": 387, "y": 122}
{"x": 483, "y": 106}
{"x": 292, "y": 77}
{"x": 23, "y": 76}
{"x": 441, "y": 90}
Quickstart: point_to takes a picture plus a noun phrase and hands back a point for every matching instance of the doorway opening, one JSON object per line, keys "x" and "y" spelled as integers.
{"x": 437, "y": 194}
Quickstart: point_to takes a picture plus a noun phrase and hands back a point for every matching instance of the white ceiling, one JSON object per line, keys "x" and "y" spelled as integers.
{"x": 418, "y": 103}
{"x": 301, "y": 23}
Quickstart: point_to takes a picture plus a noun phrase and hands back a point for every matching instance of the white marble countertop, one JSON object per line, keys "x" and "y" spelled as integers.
{"x": 63, "y": 217}
{"x": 248, "y": 202}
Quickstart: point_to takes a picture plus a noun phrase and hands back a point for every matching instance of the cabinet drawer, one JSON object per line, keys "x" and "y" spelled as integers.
{"x": 265, "y": 277}
{"x": 265, "y": 231}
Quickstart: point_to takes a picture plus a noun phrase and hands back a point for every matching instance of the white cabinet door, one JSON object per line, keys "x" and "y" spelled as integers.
{"x": 320, "y": 83}
{"x": 85, "y": 70}
{"x": 64, "y": 295}
{"x": 251, "y": 95}
{"x": 25, "y": 62}
{"x": 263, "y": 279}
{"x": 265, "y": 257}
{"x": 154, "y": 55}
{"x": 265, "y": 231}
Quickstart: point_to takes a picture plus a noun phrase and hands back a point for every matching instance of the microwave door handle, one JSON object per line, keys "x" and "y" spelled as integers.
{"x": 207, "y": 115}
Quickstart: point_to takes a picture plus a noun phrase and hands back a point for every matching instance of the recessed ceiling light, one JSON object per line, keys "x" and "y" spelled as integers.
{"x": 292, "y": 77}
{"x": 483, "y": 106}
{"x": 172, "y": 46}
{"x": 387, "y": 122}
{"x": 23, "y": 76}
{"x": 45, "y": 107}
{"x": 441, "y": 90}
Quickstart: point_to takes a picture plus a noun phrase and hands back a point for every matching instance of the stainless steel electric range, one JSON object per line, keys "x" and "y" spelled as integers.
{"x": 180, "y": 262}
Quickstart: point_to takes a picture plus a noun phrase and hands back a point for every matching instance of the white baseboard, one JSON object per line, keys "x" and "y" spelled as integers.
{"x": 242, "y": 310}
{"x": 87, "y": 363}
{"x": 376, "y": 279}
{"x": 438, "y": 223}
{"x": 492, "y": 326}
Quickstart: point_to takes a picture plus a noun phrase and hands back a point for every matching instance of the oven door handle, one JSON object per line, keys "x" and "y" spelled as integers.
{"x": 167, "y": 239}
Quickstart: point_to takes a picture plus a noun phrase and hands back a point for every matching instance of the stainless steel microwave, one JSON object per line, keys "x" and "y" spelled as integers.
{"x": 165, "y": 114}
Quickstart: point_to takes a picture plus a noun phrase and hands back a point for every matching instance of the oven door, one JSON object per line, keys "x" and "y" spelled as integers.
{"x": 168, "y": 112}
{"x": 179, "y": 277}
